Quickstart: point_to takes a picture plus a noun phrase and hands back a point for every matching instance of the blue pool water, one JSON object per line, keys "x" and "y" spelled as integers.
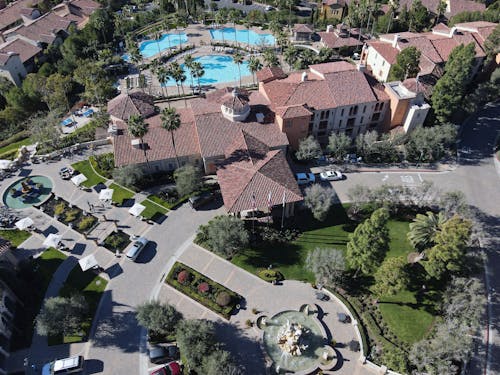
{"x": 150, "y": 47}
{"x": 242, "y": 36}
{"x": 218, "y": 69}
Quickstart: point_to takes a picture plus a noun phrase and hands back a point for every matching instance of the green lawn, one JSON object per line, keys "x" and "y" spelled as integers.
{"x": 408, "y": 318}
{"x": 47, "y": 264}
{"x": 152, "y": 210}
{"x": 85, "y": 168}
{"x": 9, "y": 149}
{"x": 120, "y": 194}
{"x": 91, "y": 287}
{"x": 15, "y": 236}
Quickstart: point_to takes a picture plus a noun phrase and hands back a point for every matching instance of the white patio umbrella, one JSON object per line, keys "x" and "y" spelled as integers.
{"x": 106, "y": 194}
{"x": 5, "y": 164}
{"x": 78, "y": 179}
{"x": 52, "y": 240}
{"x": 88, "y": 262}
{"x": 136, "y": 209}
{"x": 24, "y": 223}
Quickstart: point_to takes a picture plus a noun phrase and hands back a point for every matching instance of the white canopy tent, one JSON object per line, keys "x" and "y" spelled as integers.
{"x": 106, "y": 194}
{"x": 136, "y": 209}
{"x": 78, "y": 179}
{"x": 88, "y": 262}
{"x": 24, "y": 223}
{"x": 5, "y": 164}
{"x": 52, "y": 240}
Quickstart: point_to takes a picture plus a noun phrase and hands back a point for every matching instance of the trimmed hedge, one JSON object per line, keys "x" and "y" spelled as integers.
{"x": 270, "y": 275}
{"x": 216, "y": 295}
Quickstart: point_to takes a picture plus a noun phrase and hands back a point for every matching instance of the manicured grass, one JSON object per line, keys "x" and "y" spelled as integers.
{"x": 152, "y": 210}
{"x": 409, "y": 319}
{"x": 290, "y": 258}
{"x": 120, "y": 194}
{"x": 6, "y": 150}
{"x": 168, "y": 205}
{"x": 85, "y": 168}
{"x": 399, "y": 246}
{"x": 91, "y": 287}
{"x": 47, "y": 264}
{"x": 15, "y": 236}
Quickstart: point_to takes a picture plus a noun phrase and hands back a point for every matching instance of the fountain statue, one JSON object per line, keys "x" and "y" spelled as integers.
{"x": 290, "y": 338}
{"x": 26, "y": 188}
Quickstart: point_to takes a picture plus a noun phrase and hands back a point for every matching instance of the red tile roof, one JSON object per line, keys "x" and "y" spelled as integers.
{"x": 158, "y": 141}
{"x": 441, "y": 28}
{"x": 44, "y": 28}
{"x": 455, "y": 6}
{"x": 251, "y": 172}
{"x": 127, "y": 104}
{"x": 12, "y": 13}
{"x": 293, "y": 111}
{"x": 302, "y": 28}
{"x": 387, "y": 51}
{"x": 270, "y": 73}
{"x": 333, "y": 40}
{"x": 25, "y": 50}
{"x": 339, "y": 66}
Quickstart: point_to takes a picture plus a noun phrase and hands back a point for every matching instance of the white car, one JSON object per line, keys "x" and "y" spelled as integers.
{"x": 331, "y": 176}
{"x": 269, "y": 8}
{"x": 305, "y": 178}
{"x": 138, "y": 245}
{"x": 64, "y": 366}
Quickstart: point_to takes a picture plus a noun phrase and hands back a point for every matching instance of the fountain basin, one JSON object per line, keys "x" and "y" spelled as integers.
{"x": 314, "y": 338}
{"x": 16, "y": 195}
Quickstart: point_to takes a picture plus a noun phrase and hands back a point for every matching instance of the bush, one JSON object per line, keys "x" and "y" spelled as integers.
{"x": 223, "y": 299}
{"x": 86, "y": 223}
{"x": 59, "y": 208}
{"x": 183, "y": 277}
{"x": 203, "y": 287}
{"x": 270, "y": 275}
{"x": 71, "y": 215}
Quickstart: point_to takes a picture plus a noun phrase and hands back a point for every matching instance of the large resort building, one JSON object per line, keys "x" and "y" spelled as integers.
{"x": 244, "y": 136}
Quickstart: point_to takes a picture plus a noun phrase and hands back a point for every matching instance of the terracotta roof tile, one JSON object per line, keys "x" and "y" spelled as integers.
{"x": 25, "y": 50}
{"x": 12, "y": 13}
{"x": 333, "y": 40}
{"x": 135, "y": 103}
{"x": 385, "y": 50}
{"x": 293, "y": 111}
{"x": 269, "y": 73}
{"x": 44, "y": 28}
{"x": 333, "y": 67}
{"x": 459, "y": 6}
{"x": 302, "y": 28}
{"x": 158, "y": 141}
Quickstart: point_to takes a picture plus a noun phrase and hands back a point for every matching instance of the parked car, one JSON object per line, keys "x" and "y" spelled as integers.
{"x": 71, "y": 365}
{"x": 331, "y": 176}
{"x": 172, "y": 368}
{"x": 138, "y": 245}
{"x": 269, "y": 8}
{"x": 201, "y": 199}
{"x": 66, "y": 173}
{"x": 162, "y": 354}
{"x": 305, "y": 178}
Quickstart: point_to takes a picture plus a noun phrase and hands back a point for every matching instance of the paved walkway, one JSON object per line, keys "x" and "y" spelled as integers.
{"x": 246, "y": 343}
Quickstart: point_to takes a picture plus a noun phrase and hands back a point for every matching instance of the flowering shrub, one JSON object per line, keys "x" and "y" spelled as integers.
{"x": 183, "y": 277}
{"x": 203, "y": 288}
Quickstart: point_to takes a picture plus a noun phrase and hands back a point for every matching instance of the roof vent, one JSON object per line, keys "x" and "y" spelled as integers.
{"x": 329, "y": 29}
{"x": 136, "y": 143}
{"x": 304, "y": 76}
{"x": 396, "y": 39}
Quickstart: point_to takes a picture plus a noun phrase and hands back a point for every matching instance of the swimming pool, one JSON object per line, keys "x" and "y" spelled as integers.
{"x": 150, "y": 48}
{"x": 218, "y": 69}
{"x": 67, "y": 122}
{"x": 242, "y": 36}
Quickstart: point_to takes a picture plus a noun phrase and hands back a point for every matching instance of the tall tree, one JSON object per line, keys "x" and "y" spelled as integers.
{"x": 238, "y": 60}
{"x": 138, "y": 128}
{"x": 158, "y": 317}
{"x": 450, "y": 88}
{"x": 198, "y": 73}
{"x": 196, "y": 339}
{"x": 162, "y": 74}
{"x": 254, "y": 65}
{"x": 270, "y": 58}
{"x": 187, "y": 180}
{"x": 309, "y": 149}
{"x": 448, "y": 254}
{"x": 61, "y": 315}
{"x": 171, "y": 121}
{"x": 391, "y": 277}
{"x": 407, "y": 64}
{"x": 188, "y": 63}
{"x": 226, "y": 235}
{"x": 177, "y": 73}
{"x": 369, "y": 242}
{"x": 339, "y": 145}
{"x": 424, "y": 228}
{"x": 328, "y": 265}
{"x": 319, "y": 200}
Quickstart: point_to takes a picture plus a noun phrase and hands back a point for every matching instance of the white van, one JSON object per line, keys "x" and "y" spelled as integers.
{"x": 136, "y": 248}
{"x": 69, "y": 365}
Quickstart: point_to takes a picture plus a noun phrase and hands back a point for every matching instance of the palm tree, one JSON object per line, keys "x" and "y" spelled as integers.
{"x": 424, "y": 228}
{"x": 291, "y": 55}
{"x": 275, "y": 28}
{"x": 254, "y": 65}
{"x": 177, "y": 73}
{"x": 138, "y": 128}
{"x": 270, "y": 58}
{"x": 220, "y": 18}
{"x": 180, "y": 24}
{"x": 163, "y": 77}
{"x": 188, "y": 63}
{"x": 198, "y": 72}
{"x": 234, "y": 15}
{"x": 171, "y": 121}
{"x": 167, "y": 26}
{"x": 157, "y": 37}
{"x": 248, "y": 25}
{"x": 238, "y": 60}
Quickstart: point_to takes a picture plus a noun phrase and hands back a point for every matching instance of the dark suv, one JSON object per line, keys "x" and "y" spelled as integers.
{"x": 202, "y": 199}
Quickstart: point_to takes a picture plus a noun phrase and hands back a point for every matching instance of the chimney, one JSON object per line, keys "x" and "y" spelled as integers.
{"x": 304, "y": 76}
{"x": 395, "y": 41}
{"x": 329, "y": 29}
{"x": 361, "y": 67}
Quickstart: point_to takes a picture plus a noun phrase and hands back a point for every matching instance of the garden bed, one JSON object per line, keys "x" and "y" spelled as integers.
{"x": 86, "y": 169}
{"x": 117, "y": 241}
{"x": 199, "y": 287}
{"x": 91, "y": 287}
{"x": 78, "y": 219}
